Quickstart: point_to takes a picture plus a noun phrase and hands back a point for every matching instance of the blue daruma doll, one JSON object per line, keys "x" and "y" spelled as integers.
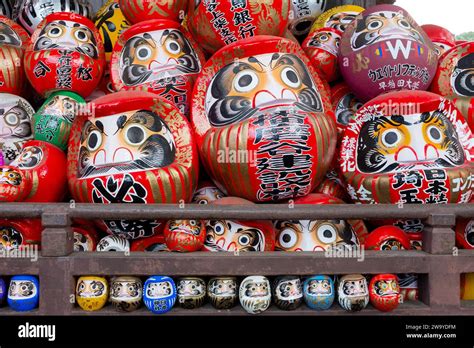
{"x": 3, "y": 292}
{"x": 159, "y": 294}
{"x": 318, "y": 291}
{"x": 23, "y": 293}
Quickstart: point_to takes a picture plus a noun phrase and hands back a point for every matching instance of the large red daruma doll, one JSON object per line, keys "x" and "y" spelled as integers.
{"x": 238, "y": 235}
{"x": 263, "y": 120}
{"x": 385, "y": 50}
{"x": 65, "y": 53}
{"x": 142, "y": 10}
{"x": 13, "y": 39}
{"x": 408, "y": 147}
{"x": 215, "y": 24}
{"x": 133, "y": 147}
{"x": 157, "y": 56}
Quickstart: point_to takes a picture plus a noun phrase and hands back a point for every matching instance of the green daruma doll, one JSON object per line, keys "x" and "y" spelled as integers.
{"x": 52, "y": 123}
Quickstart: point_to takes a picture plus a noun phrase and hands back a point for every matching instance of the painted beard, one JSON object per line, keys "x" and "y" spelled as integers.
{"x": 243, "y": 89}
{"x": 401, "y": 143}
{"x": 226, "y": 235}
{"x": 157, "y": 55}
{"x": 10, "y": 238}
{"x": 190, "y": 288}
{"x": 290, "y": 290}
{"x": 30, "y": 157}
{"x": 10, "y": 176}
{"x": 125, "y": 290}
{"x": 223, "y": 288}
{"x": 15, "y": 123}
{"x": 21, "y": 289}
{"x": 8, "y": 36}
{"x": 346, "y": 108}
{"x": 192, "y": 227}
{"x": 319, "y": 288}
{"x": 382, "y": 26}
{"x": 159, "y": 290}
{"x": 91, "y": 288}
{"x": 385, "y": 288}
{"x": 134, "y": 141}
{"x": 67, "y": 35}
{"x": 462, "y": 79}
{"x": 327, "y": 41}
{"x": 341, "y": 20}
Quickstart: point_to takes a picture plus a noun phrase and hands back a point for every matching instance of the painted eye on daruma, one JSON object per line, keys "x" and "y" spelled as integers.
{"x": 81, "y": 35}
{"x": 327, "y": 234}
{"x": 173, "y": 47}
{"x": 244, "y": 240}
{"x": 404, "y": 24}
{"x": 374, "y": 25}
{"x": 55, "y": 32}
{"x": 12, "y": 119}
{"x": 94, "y": 140}
{"x": 219, "y": 229}
{"x": 434, "y": 134}
{"x": 391, "y": 138}
{"x": 143, "y": 52}
{"x": 288, "y": 238}
{"x": 135, "y": 135}
{"x": 290, "y": 77}
{"x": 245, "y": 81}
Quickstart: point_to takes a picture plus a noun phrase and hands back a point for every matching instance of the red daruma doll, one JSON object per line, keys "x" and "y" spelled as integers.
{"x": 384, "y": 292}
{"x": 13, "y": 39}
{"x": 65, "y": 53}
{"x": 133, "y": 147}
{"x": 263, "y": 120}
{"x": 408, "y": 147}
{"x": 185, "y": 235}
{"x": 157, "y": 56}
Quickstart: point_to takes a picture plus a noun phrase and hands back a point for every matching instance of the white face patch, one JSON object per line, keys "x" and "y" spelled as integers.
{"x": 159, "y": 290}
{"x": 22, "y": 290}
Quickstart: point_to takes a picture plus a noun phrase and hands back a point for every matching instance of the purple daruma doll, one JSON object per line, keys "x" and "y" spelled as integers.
{"x": 384, "y": 50}
{"x": 3, "y": 292}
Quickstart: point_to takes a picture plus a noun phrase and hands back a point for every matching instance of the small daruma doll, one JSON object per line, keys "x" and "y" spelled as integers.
{"x": 53, "y": 121}
{"x": 159, "y": 294}
{"x": 222, "y": 292}
{"x": 191, "y": 292}
{"x": 384, "y": 292}
{"x": 322, "y": 47}
{"x": 3, "y": 292}
{"x": 43, "y": 168}
{"x": 319, "y": 293}
{"x": 185, "y": 235}
{"x": 287, "y": 292}
{"x": 13, "y": 39}
{"x": 387, "y": 238}
{"x": 23, "y": 293}
{"x": 353, "y": 294}
{"x": 383, "y": 50}
{"x": 465, "y": 234}
{"x": 408, "y": 147}
{"x": 142, "y": 10}
{"x": 317, "y": 235}
{"x": 157, "y": 56}
{"x": 455, "y": 77}
{"x": 236, "y": 235}
{"x": 92, "y": 292}
{"x": 15, "y": 125}
{"x": 302, "y": 15}
{"x": 264, "y": 93}
{"x": 254, "y": 294}
{"x": 441, "y": 37}
{"x": 216, "y": 24}
{"x": 133, "y": 147}
{"x": 345, "y": 105}
{"x": 126, "y": 293}
{"x": 65, "y": 53}
{"x": 16, "y": 234}
{"x": 206, "y": 193}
